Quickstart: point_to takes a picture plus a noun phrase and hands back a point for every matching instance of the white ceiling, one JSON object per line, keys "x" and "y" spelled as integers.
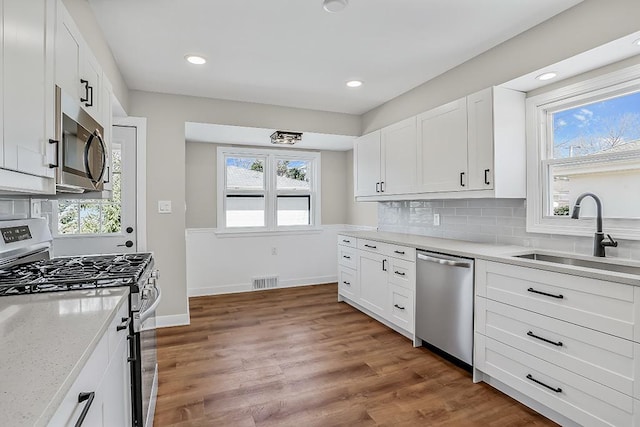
{"x": 239, "y": 135}
{"x": 293, "y": 53}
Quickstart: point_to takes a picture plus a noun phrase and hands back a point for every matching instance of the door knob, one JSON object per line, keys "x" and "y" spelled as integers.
{"x": 128, "y": 244}
{"x": 129, "y": 230}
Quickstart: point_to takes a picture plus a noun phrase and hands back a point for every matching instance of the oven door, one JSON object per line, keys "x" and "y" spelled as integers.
{"x": 146, "y": 387}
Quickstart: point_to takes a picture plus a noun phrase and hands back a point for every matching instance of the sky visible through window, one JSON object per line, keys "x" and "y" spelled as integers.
{"x": 598, "y": 127}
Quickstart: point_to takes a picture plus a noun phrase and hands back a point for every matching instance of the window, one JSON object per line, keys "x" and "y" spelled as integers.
{"x": 85, "y": 216}
{"x": 267, "y": 190}
{"x": 585, "y": 138}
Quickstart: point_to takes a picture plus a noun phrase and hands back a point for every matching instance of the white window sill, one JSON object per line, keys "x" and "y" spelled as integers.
{"x": 222, "y": 233}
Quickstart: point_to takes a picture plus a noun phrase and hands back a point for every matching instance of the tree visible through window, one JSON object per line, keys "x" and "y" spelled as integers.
{"x": 94, "y": 216}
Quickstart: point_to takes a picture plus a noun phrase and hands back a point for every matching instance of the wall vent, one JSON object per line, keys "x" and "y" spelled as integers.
{"x": 265, "y": 282}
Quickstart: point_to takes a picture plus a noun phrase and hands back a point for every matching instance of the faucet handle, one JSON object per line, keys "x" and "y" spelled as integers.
{"x": 611, "y": 242}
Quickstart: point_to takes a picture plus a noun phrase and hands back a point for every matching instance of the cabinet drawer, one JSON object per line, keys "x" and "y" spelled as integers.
{"x": 578, "y": 398}
{"x": 402, "y": 252}
{"x": 352, "y": 242}
{"x": 401, "y": 309}
{"x": 373, "y": 246}
{"x": 347, "y": 256}
{"x": 606, "y": 359}
{"x": 605, "y": 306}
{"x": 87, "y": 381}
{"x": 115, "y": 335}
{"x": 348, "y": 282}
{"x": 402, "y": 273}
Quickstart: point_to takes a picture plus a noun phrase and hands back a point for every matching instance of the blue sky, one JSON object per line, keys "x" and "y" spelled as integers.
{"x": 595, "y": 122}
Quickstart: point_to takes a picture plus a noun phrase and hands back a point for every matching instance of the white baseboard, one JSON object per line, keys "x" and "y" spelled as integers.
{"x": 172, "y": 320}
{"x": 246, "y": 287}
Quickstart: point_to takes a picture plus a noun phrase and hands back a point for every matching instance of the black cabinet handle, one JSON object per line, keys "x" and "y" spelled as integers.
{"x": 399, "y": 273}
{"x": 382, "y": 187}
{"x": 486, "y": 177}
{"x": 346, "y": 241}
{"x": 86, "y": 90}
{"x": 383, "y": 266}
{"x": 558, "y": 343}
{"x": 370, "y": 246}
{"x": 461, "y": 179}
{"x": 377, "y": 187}
{"x": 559, "y": 296}
{"x": 82, "y": 397}
{"x": 399, "y": 252}
{"x": 346, "y": 283}
{"x": 56, "y": 164}
{"x": 132, "y": 349}
{"x": 557, "y": 390}
{"x": 398, "y": 307}
{"x": 90, "y": 96}
{"x": 124, "y": 325}
{"x": 346, "y": 257}
{"x": 108, "y": 175}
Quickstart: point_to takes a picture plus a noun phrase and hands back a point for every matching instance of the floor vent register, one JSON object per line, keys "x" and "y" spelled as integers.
{"x": 265, "y": 282}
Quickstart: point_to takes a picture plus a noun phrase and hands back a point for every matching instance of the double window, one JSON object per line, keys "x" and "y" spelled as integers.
{"x": 585, "y": 138}
{"x": 267, "y": 190}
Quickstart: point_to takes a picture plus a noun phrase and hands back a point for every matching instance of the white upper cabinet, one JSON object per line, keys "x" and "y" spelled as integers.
{"x": 78, "y": 72}
{"x": 366, "y": 156}
{"x": 27, "y": 95}
{"x": 398, "y": 158}
{"x": 442, "y": 148}
{"x": 385, "y": 160}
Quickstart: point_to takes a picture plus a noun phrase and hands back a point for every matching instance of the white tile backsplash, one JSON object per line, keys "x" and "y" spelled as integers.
{"x": 14, "y": 208}
{"x": 500, "y": 221}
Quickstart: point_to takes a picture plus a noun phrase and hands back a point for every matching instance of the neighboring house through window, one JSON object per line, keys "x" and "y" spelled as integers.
{"x": 267, "y": 190}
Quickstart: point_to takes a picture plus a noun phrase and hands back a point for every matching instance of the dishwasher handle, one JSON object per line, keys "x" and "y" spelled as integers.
{"x": 449, "y": 262}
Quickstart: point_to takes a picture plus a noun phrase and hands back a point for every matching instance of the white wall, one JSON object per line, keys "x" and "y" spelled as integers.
{"x": 220, "y": 264}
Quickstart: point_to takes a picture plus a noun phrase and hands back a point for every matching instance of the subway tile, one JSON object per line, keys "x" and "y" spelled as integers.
{"x": 469, "y": 211}
{"x": 449, "y": 219}
{"x": 517, "y": 241}
{"x": 445, "y": 211}
{"x": 498, "y": 230}
{"x": 434, "y": 203}
{"x": 562, "y": 245}
{"x": 482, "y": 220}
{"x": 520, "y": 212}
{"x": 455, "y": 203}
{"x": 512, "y": 222}
{"x": 497, "y": 211}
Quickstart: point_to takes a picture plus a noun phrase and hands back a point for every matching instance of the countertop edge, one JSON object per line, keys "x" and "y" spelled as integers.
{"x": 58, "y": 397}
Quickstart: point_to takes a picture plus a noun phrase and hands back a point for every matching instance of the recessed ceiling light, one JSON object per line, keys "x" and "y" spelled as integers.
{"x": 354, "y": 83}
{"x": 195, "y": 59}
{"x": 637, "y": 42}
{"x": 334, "y": 6}
{"x": 547, "y": 76}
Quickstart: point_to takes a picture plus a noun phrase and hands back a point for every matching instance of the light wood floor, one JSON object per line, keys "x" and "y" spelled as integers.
{"x": 297, "y": 357}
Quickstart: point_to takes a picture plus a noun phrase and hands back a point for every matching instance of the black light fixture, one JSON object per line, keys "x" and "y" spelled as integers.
{"x": 285, "y": 137}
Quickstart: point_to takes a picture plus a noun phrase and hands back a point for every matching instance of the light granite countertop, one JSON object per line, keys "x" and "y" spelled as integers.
{"x": 45, "y": 341}
{"x": 503, "y": 253}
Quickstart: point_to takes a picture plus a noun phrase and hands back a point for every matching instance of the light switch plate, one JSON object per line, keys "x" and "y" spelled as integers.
{"x": 164, "y": 206}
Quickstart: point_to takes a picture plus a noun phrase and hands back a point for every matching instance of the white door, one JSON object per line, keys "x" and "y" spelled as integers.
{"x": 93, "y": 226}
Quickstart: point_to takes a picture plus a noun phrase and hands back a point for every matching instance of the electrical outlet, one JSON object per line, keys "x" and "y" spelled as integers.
{"x": 164, "y": 206}
{"x": 436, "y": 220}
{"x": 274, "y": 251}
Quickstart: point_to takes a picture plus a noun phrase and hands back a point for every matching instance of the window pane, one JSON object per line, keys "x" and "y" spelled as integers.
{"x": 611, "y": 125}
{"x": 245, "y": 211}
{"x": 89, "y": 218}
{"x": 294, "y": 210}
{"x": 612, "y": 182}
{"x": 245, "y": 173}
{"x": 293, "y": 175}
{"x": 67, "y": 217}
{"x": 116, "y": 160}
{"x": 111, "y": 220}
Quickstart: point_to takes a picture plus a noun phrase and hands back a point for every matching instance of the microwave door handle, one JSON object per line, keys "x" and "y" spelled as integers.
{"x": 149, "y": 311}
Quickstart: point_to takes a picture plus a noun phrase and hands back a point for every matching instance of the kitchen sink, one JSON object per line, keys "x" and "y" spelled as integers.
{"x": 578, "y": 262}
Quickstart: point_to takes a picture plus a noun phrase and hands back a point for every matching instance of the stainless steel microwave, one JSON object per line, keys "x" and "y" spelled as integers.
{"x": 81, "y": 154}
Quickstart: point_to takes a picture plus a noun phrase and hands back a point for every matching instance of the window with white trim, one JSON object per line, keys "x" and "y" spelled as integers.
{"x": 267, "y": 190}
{"x": 585, "y": 138}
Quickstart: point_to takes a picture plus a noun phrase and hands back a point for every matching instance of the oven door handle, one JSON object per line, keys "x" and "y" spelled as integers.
{"x": 149, "y": 311}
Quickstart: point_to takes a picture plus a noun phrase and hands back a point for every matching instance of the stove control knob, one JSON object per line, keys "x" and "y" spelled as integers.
{"x": 151, "y": 281}
{"x": 155, "y": 274}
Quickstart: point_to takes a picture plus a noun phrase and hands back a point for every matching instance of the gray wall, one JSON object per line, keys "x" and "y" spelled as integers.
{"x": 166, "y": 166}
{"x": 497, "y": 221}
{"x": 201, "y": 189}
{"x": 589, "y": 24}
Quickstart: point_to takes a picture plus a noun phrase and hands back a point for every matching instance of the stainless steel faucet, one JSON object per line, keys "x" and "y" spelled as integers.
{"x": 599, "y": 244}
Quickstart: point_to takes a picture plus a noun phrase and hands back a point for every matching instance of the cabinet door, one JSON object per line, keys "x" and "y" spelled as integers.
{"x": 442, "y": 147}
{"x": 366, "y": 156}
{"x": 401, "y": 302}
{"x": 24, "y": 86}
{"x": 91, "y": 91}
{"x": 116, "y": 389}
{"x": 68, "y": 46}
{"x": 480, "y": 134}
{"x": 399, "y": 158}
{"x": 373, "y": 282}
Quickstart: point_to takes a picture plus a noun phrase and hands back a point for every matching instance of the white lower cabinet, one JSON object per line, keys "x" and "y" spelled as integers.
{"x": 104, "y": 384}
{"x": 381, "y": 282}
{"x": 566, "y": 342}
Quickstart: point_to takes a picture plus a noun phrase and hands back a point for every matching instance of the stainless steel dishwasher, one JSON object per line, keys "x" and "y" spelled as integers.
{"x": 444, "y": 303}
